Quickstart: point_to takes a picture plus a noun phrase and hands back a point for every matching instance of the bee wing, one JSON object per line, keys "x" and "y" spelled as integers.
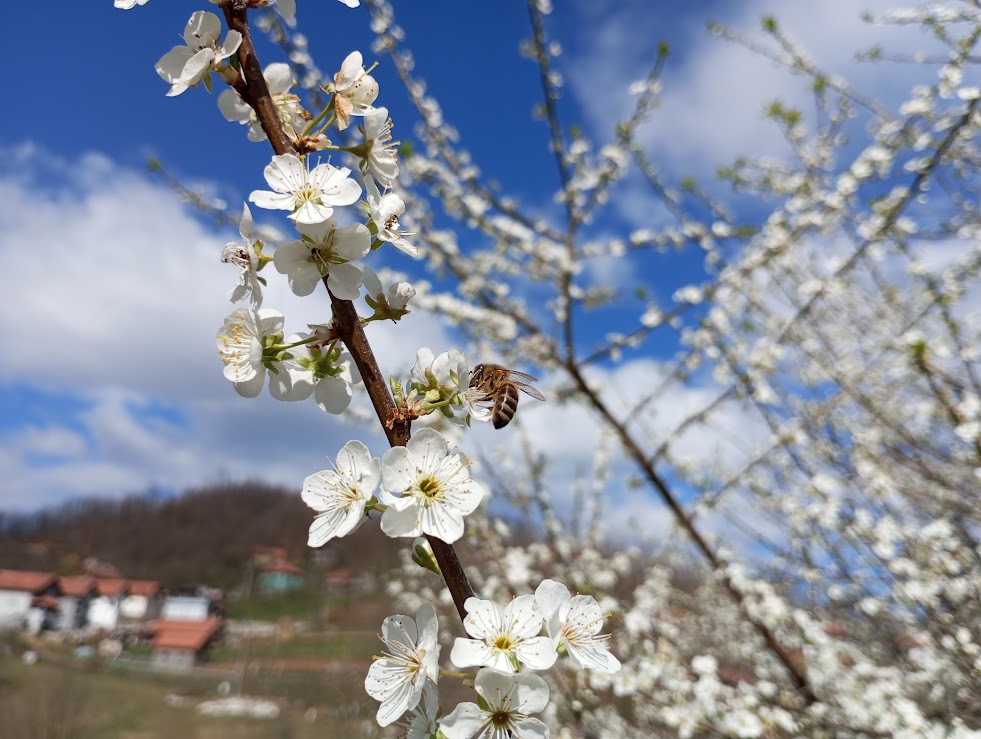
{"x": 533, "y": 392}
{"x": 515, "y": 375}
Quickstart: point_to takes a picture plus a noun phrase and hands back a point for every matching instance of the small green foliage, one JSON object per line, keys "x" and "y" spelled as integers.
{"x": 776, "y": 110}
{"x": 918, "y": 350}
{"x": 424, "y": 558}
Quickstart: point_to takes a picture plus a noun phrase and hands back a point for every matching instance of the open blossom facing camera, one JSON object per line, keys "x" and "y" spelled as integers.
{"x": 354, "y": 90}
{"x": 244, "y": 257}
{"x": 310, "y": 194}
{"x": 504, "y": 637}
{"x": 339, "y": 495}
{"x": 409, "y": 664}
{"x": 187, "y": 66}
{"x": 324, "y": 250}
{"x": 279, "y": 80}
{"x": 433, "y": 485}
{"x": 509, "y": 699}
{"x": 574, "y": 622}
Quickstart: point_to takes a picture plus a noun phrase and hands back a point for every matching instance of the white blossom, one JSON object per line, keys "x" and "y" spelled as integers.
{"x": 311, "y": 195}
{"x": 510, "y": 700}
{"x": 240, "y": 345}
{"x": 354, "y": 90}
{"x": 279, "y": 80}
{"x": 245, "y": 258}
{"x": 433, "y": 486}
{"x": 324, "y": 250}
{"x": 324, "y": 370}
{"x": 380, "y": 161}
{"x": 339, "y": 495}
{"x": 504, "y": 637}
{"x": 394, "y": 303}
{"x": 574, "y": 622}
{"x": 186, "y": 66}
{"x": 410, "y": 662}
{"x": 385, "y": 212}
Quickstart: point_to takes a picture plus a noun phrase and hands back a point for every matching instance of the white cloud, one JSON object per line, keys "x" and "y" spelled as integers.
{"x": 569, "y": 436}
{"x": 714, "y": 91}
{"x": 118, "y": 292}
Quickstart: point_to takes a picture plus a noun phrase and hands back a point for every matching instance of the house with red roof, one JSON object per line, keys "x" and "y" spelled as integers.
{"x": 143, "y": 600}
{"x": 28, "y": 599}
{"x": 181, "y": 645}
{"x": 273, "y": 572}
{"x": 77, "y": 593}
{"x": 103, "y": 611}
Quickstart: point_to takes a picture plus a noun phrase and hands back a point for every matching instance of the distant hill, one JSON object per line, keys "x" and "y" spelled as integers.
{"x": 205, "y": 535}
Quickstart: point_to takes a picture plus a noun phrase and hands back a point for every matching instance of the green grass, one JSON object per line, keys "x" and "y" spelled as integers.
{"x": 298, "y": 604}
{"x": 325, "y": 645}
{"x": 73, "y": 702}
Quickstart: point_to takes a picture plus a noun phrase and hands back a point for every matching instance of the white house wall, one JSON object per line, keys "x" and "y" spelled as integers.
{"x": 14, "y": 606}
{"x": 185, "y": 608}
{"x": 133, "y": 606}
{"x": 103, "y": 613}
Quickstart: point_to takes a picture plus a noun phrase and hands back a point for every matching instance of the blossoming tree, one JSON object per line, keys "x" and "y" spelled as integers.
{"x": 827, "y": 580}
{"x": 427, "y": 488}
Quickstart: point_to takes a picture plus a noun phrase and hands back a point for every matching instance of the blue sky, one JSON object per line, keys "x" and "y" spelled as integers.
{"x": 109, "y": 380}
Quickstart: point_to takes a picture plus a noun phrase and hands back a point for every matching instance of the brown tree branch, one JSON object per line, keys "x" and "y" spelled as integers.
{"x": 252, "y": 87}
{"x": 640, "y": 458}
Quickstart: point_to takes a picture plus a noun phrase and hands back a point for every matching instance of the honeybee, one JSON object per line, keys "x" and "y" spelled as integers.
{"x": 501, "y": 386}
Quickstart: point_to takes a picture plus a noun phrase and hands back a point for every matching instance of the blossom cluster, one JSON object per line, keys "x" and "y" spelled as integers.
{"x": 506, "y": 644}
{"x": 426, "y": 489}
{"x": 423, "y": 488}
{"x": 821, "y": 411}
{"x": 252, "y": 343}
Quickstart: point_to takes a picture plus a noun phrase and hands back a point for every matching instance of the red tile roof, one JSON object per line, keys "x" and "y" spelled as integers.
{"x": 148, "y": 588}
{"x": 190, "y": 635}
{"x": 110, "y": 586}
{"x": 32, "y": 582}
{"x": 281, "y": 566}
{"x": 77, "y": 586}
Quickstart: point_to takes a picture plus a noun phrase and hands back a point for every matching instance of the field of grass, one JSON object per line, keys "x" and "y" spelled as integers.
{"x": 314, "y": 646}
{"x": 303, "y": 605}
{"x": 51, "y": 700}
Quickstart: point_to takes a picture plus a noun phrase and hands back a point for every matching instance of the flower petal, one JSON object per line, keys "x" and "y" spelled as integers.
{"x": 333, "y": 395}
{"x": 398, "y": 521}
